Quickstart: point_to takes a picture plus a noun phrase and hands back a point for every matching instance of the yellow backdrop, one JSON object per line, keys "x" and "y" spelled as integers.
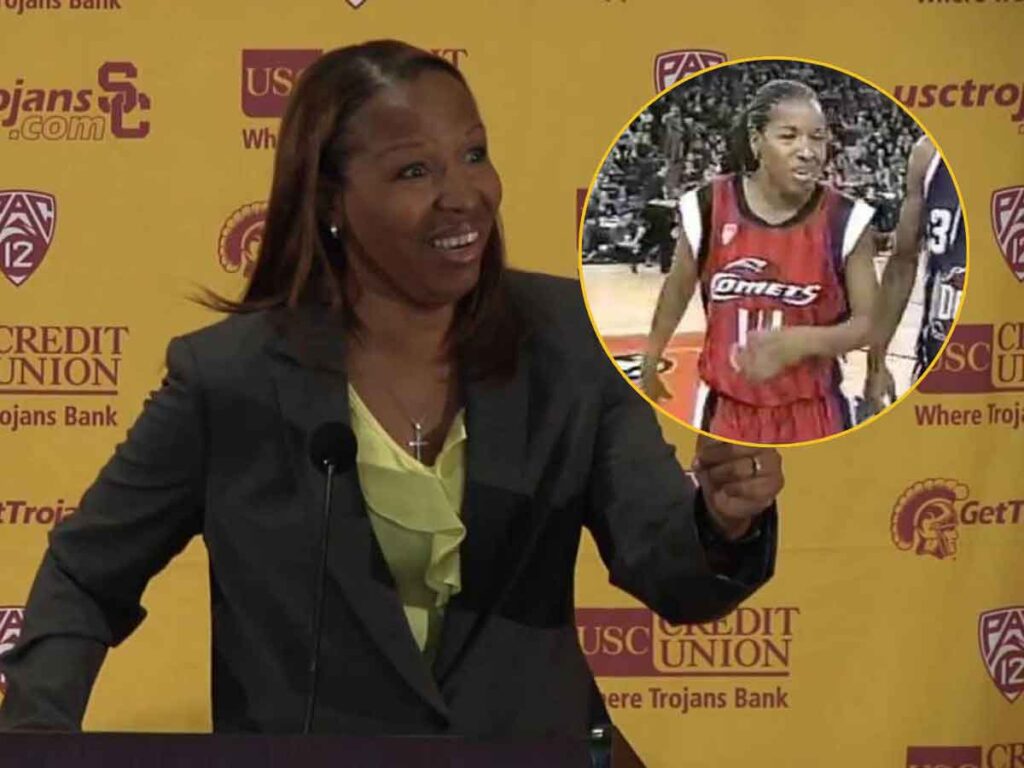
{"x": 134, "y": 156}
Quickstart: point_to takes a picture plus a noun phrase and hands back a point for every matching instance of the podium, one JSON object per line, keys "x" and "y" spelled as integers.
{"x": 604, "y": 749}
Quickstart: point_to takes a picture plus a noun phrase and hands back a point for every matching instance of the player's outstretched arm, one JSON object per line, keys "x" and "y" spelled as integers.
{"x": 676, "y": 292}
{"x": 897, "y": 279}
{"x": 901, "y": 269}
{"x": 768, "y": 353}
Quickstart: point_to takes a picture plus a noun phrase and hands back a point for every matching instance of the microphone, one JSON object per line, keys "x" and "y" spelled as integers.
{"x": 332, "y": 448}
{"x": 333, "y": 445}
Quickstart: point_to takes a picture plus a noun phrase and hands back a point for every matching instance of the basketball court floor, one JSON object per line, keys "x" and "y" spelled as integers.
{"x": 622, "y": 305}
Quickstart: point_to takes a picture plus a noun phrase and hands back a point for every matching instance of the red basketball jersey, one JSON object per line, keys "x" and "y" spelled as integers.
{"x": 759, "y": 276}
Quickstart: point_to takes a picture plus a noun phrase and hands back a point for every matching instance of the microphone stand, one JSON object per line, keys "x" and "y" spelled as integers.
{"x": 318, "y": 606}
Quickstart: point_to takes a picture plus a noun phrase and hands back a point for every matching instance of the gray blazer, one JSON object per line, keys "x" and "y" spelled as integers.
{"x": 221, "y": 450}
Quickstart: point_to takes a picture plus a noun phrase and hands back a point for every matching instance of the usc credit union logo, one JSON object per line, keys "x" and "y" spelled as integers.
{"x": 996, "y": 756}
{"x": 269, "y": 75}
{"x": 634, "y": 642}
{"x": 980, "y": 358}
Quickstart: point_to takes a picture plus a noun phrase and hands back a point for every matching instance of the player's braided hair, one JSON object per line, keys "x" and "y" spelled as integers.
{"x": 755, "y": 117}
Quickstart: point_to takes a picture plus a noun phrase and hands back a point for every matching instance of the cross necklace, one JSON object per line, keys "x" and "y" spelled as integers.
{"x": 419, "y": 441}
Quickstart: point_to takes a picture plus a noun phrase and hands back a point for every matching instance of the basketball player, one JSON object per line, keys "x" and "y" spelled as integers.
{"x": 785, "y": 266}
{"x": 931, "y": 212}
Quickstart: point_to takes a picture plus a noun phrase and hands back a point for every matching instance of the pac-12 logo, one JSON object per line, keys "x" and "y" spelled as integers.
{"x": 671, "y": 66}
{"x": 1008, "y": 225}
{"x": 27, "y": 223}
{"x": 241, "y": 238}
{"x": 1001, "y": 641}
{"x": 11, "y": 619}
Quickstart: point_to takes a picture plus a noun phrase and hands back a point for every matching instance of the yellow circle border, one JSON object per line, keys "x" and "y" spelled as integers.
{"x": 963, "y": 214}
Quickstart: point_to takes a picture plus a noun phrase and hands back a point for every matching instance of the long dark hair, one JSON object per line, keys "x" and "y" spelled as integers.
{"x": 740, "y": 158}
{"x": 300, "y": 264}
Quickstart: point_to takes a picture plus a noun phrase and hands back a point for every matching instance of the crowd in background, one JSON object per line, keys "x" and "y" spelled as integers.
{"x": 681, "y": 141}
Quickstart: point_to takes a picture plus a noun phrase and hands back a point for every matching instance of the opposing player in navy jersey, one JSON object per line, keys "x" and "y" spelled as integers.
{"x": 930, "y": 220}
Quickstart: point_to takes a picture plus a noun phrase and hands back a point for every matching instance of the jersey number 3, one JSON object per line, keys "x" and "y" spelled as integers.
{"x": 940, "y": 230}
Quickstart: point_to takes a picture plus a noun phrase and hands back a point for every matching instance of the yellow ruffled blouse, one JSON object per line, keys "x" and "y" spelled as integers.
{"x": 414, "y": 510}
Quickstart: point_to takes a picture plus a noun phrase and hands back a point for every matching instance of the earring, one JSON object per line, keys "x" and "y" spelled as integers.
{"x": 334, "y": 231}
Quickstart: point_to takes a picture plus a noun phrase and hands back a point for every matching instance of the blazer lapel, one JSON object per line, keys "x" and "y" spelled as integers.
{"x": 312, "y": 389}
{"x": 496, "y": 485}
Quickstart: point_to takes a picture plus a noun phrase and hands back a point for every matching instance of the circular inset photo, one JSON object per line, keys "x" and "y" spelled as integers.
{"x": 774, "y": 251}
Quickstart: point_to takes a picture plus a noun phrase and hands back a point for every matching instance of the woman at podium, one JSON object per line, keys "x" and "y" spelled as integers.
{"x": 390, "y": 447}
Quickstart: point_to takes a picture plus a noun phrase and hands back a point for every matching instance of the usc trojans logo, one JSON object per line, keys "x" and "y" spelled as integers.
{"x": 241, "y": 238}
{"x": 925, "y": 518}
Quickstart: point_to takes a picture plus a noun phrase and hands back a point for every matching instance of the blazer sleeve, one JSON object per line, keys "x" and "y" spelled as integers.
{"x": 650, "y": 525}
{"x": 143, "y": 508}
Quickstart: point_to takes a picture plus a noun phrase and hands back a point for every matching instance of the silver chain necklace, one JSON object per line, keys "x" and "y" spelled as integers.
{"x": 419, "y": 441}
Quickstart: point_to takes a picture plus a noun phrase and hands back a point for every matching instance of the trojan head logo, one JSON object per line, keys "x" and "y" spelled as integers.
{"x": 11, "y": 619}
{"x": 241, "y": 238}
{"x": 1008, "y": 226}
{"x": 925, "y": 518}
{"x": 1001, "y": 641}
{"x": 27, "y": 221}
{"x": 671, "y": 66}
{"x": 357, "y": 4}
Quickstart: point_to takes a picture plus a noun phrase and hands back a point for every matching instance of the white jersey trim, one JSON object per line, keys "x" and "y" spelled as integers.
{"x": 700, "y": 403}
{"x": 689, "y": 212}
{"x": 860, "y": 216}
{"x": 954, "y": 231}
{"x": 933, "y": 167}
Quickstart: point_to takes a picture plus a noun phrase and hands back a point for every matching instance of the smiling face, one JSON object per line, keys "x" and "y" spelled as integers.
{"x": 420, "y": 195}
{"x": 791, "y": 147}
